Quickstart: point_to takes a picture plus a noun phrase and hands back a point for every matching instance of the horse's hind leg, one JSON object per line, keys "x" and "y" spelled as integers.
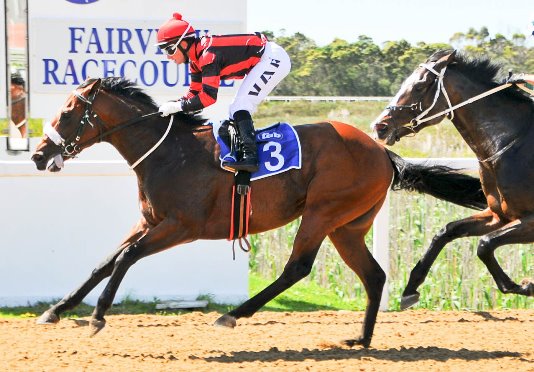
{"x": 519, "y": 231}
{"x": 349, "y": 242}
{"x": 305, "y": 247}
{"x": 102, "y": 271}
{"x": 475, "y": 225}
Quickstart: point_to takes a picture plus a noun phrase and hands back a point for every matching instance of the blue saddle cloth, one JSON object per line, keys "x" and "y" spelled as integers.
{"x": 278, "y": 150}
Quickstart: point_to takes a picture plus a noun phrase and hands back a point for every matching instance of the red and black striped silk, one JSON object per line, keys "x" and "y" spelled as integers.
{"x": 219, "y": 57}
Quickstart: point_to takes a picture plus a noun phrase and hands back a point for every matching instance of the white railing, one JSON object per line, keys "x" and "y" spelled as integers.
{"x": 56, "y": 227}
{"x": 46, "y": 215}
{"x": 327, "y": 99}
{"x": 381, "y": 224}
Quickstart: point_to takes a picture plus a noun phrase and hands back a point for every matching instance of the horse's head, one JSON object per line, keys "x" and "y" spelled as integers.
{"x": 70, "y": 130}
{"x": 417, "y": 100}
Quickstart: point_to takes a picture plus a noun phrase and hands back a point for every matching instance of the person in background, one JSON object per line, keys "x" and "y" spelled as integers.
{"x": 18, "y": 104}
{"x": 262, "y": 64}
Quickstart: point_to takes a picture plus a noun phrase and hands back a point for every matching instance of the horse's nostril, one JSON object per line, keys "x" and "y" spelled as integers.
{"x": 381, "y": 127}
{"x": 38, "y": 156}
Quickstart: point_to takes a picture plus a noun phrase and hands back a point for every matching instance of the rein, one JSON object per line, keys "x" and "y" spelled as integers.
{"x": 20, "y": 124}
{"x": 420, "y": 119}
{"x": 73, "y": 148}
{"x": 17, "y": 100}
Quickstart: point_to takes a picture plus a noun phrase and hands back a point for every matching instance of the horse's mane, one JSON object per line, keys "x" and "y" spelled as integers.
{"x": 128, "y": 89}
{"x": 485, "y": 71}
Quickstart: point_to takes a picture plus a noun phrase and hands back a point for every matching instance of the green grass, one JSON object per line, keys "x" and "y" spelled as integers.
{"x": 35, "y": 126}
{"x": 301, "y": 297}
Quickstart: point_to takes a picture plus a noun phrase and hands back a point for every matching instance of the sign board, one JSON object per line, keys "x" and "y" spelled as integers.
{"x": 3, "y": 62}
{"x": 71, "y": 40}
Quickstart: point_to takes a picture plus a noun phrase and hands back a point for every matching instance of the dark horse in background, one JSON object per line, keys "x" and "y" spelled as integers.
{"x": 497, "y": 122}
{"x": 185, "y": 196}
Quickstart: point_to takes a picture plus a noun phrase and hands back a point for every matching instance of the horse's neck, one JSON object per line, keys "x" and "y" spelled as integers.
{"x": 178, "y": 149}
{"x": 132, "y": 142}
{"x": 141, "y": 139}
{"x": 489, "y": 129}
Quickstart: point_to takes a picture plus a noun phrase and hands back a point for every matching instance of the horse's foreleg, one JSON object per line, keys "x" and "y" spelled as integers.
{"x": 165, "y": 235}
{"x": 475, "y": 225}
{"x": 74, "y": 298}
{"x": 102, "y": 271}
{"x": 519, "y": 231}
{"x": 305, "y": 247}
{"x": 350, "y": 243}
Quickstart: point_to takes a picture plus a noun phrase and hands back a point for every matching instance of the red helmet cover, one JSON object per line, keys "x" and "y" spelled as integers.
{"x": 173, "y": 29}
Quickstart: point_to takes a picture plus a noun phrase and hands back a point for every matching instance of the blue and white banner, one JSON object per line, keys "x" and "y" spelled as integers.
{"x": 3, "y": 62}
{"x": 71, "y": 40}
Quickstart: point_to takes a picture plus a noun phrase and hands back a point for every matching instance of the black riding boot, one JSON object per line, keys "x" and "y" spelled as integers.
{"x": 249, "y": 160}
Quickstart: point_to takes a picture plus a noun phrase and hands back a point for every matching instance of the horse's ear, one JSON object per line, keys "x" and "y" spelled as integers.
{"x": 440, "y": 55}
{"x": 450, "y": 57}
{"x": 87, "y": 82}
{"x": 445, "y": 58}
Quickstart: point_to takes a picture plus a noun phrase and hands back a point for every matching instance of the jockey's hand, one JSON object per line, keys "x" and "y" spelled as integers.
{"x": 169, "y": 108}
{"x": 516, "y": 79}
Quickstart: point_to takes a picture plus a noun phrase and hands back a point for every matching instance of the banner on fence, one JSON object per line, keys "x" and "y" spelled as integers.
{"x": 71, "y": 40}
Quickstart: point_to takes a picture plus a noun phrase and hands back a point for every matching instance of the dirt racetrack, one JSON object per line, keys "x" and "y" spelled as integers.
{"x": 407, "y": 341}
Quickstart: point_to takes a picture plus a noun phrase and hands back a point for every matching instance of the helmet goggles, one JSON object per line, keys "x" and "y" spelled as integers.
{"x": 171, "y": 48}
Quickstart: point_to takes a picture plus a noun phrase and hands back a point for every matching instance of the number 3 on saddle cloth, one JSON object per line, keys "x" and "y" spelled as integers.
{"x": 278, "y": 148}
{"x": 278, "y": 151}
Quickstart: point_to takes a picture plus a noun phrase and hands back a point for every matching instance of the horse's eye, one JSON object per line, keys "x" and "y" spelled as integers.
{"x": 65, "y": 114}
{"x": 420, "y": 86}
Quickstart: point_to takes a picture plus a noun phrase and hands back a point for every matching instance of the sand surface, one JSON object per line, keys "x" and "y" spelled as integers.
{"x": 403, "y": 341}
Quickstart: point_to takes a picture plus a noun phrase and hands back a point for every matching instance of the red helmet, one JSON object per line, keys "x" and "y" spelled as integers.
{"x": 174, "y": 28}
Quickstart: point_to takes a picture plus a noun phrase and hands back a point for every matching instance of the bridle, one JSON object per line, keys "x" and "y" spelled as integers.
{"x": 418, "y": 106}
{"x": 420, "y": 118}
{"x": 71, "y": 147}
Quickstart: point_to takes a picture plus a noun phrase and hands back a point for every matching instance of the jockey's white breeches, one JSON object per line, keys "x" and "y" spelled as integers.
{"x": 273, "y": 66}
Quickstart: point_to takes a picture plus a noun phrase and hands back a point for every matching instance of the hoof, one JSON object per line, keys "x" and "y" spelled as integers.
{"x": 527, "y": 287}
{"x": 359, "y": 341}
{"x": 96, "y": 326}
{"x": 409, "y": 301}
{"x": 226, "y": 320}
{"x": 48, "y": 317}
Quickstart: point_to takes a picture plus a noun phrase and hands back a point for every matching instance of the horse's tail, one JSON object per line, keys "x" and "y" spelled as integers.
{"x": 439, "y": 181}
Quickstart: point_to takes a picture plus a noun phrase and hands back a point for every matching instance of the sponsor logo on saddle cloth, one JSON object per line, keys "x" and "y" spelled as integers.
{"x": 278, "y": 150}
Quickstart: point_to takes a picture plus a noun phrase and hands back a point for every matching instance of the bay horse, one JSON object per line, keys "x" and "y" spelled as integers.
{"x": 18, "y": 105}
{"x": 496, "y": 120}
{"x": 185, "y": 195}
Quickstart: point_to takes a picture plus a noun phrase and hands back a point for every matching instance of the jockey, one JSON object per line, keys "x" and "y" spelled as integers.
{"x": 18, "y": 93}
{"x": 261, "y": 63}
